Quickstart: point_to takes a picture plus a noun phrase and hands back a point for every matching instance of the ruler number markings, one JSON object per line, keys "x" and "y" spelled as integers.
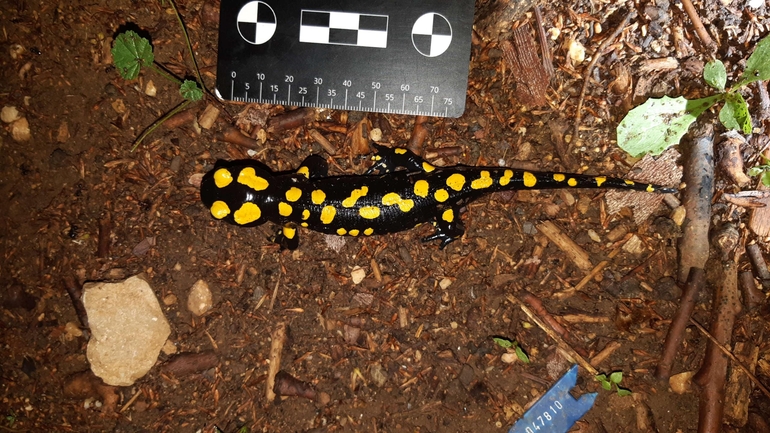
{"x": 413, "y": 100}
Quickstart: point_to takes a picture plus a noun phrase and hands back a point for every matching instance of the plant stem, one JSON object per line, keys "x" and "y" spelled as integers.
{"x": 159, "y": 122}
{"x": 189, "y": 44}
{"x": 159, "y": 69}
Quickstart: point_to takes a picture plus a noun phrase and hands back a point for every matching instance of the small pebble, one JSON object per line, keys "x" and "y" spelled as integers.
{"x": 445, "y": 283}
{"x": 357, "y": 274}
{"x": 150, "y": 89}
{"x": 678, "y": 214}
{"x": 199, "y": 301}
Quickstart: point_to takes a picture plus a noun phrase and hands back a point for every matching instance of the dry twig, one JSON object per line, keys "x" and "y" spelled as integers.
{"x": 587, "y": 75}
{"x": 695, "y": 282}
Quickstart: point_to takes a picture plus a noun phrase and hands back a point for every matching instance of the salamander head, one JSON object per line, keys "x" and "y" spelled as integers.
{"x": 236, "y": 192}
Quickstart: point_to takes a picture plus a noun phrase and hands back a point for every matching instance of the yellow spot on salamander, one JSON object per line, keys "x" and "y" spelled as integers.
{"x": 289, "y": 232}
{"x": 529, "y": 179}
{"x": 284, "y": 209}
{"x": 441, "y": 195}
{"x": 305, "y": 171}
{"x": 600, "y": 180}
{"x": 341, "y": 231}
{"x": 318, "y": 196}
{"x": 303, "y": 224}
{"x": 421, "y": 188}
{"x": 222, "y": 177}
{"x": 399, "y": 151}
{"x": 392, "y": 198}
{"x": 369, "y": 231}
{"x": 650, "y": 188}
{"x": 629, "y": 182}
{"x": 353, "y": 232}
{"x": 305, "y": 214}
{"x": 456, "y": 181}
{"x": 484, "y": 181}
{"x": 248, "y": 213}
{"x": 249, "y": 177}
{"x": 558, "y": 177}
{"x": 448, "y": 215}
{"x": 369, "y": 212}
{"x": 327, "y": 214}
{"x": 506, "y": 179}
{"x": 354, "y": 196}
{"x": 293, "y": 194}
{"x": 572, "y": 182}
{"x": 427, "y": 167}
{"x": 219, "y": 209}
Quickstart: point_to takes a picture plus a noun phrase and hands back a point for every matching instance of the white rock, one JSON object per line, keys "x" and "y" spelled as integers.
{"x": 128, "y": 328}
{"x": 9, "y": 114}
{"x": 20, "y": 130}
{"x": 357, "y": 274}
{"x": 199, "y": 300}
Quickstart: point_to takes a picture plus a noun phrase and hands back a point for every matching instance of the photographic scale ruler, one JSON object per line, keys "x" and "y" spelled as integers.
{"x": 389, "y": 56}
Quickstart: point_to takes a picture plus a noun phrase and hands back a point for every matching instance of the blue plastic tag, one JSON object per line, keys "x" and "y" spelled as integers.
{"x": 556, "y": 411}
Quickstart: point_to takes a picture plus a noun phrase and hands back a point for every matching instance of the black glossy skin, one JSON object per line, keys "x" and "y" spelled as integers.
{"x": 405, "y": 192}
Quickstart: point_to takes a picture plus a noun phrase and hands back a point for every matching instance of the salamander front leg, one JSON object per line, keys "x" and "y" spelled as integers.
{"x": 449, "y": 228}
{"x": 287, "y": 237}
{"x": 314, "y": 167}
{"x": 388, "y": 159}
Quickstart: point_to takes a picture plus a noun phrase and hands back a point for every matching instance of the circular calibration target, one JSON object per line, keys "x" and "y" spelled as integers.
{"x": 431, "y": 34}
{"x": 256, "y": 22}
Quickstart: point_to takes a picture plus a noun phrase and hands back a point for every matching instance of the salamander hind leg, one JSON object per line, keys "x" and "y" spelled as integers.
{"x": 388, "y": 160}
{"x": 314, "y": 167}
{"x": 287, "y": 237}
{"x": 449, "y": 227}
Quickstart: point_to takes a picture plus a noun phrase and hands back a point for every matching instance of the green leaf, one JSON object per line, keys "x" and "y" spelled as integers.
{"x": 502, "y": 342}
{"x": 735, "y": 113}
{"x": 753, "y": 171}
{"x": 758, "y": 65}
{"x": 659, "y": 124}
{"x": 766, "y": 178}
{"x": 616, "y": 377}
{"x": 715, "y": 74}
{"x": 606, "y": 385}
{"x": 601, "y": 377}
{"x": 244, "y": 429}
{"x": 130, "y": 52}
{"x": 190, "y": 90}
{"x": 623, "y": 392}
{"x": 521, "y": 355}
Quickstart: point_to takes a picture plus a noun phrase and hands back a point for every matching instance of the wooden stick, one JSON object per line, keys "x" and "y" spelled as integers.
{"x": 732, "y": 357}
{"x": 695, "y": 282}
{"x": 587, "y": 75}
{"x": 574, "y": 252}
{"x": 712, "y": 375}
{"x": 697, "y": 24}
{"x": 554, "y": 336}
{"x": 276, "y": 347}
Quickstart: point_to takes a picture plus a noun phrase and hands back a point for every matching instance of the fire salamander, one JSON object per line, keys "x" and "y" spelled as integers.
{"x": 398, "y": 192}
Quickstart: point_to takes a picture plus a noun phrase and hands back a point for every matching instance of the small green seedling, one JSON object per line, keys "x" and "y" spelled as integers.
{"x": 512, "y": 345}
{"x": 613, "y": 379}
{"x": 763, "y": 170}
{"x": 659, "y": 124}
{"x": 131, "y": 53}
{"x": 11, "y": 419}
{"x": 243, "y": 429}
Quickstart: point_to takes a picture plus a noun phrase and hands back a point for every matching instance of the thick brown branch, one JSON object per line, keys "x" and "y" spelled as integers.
{"x": 695, "y": 282}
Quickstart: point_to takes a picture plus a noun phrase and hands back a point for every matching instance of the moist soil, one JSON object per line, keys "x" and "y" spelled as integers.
{"x": 409, "y": 348}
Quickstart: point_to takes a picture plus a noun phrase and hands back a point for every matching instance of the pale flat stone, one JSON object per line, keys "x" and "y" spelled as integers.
{"x": 128, "y": 329}
{"x": 200, "y": 300}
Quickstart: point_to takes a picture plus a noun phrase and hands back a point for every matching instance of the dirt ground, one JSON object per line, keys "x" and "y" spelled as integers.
{"x": 408, "y": 349}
